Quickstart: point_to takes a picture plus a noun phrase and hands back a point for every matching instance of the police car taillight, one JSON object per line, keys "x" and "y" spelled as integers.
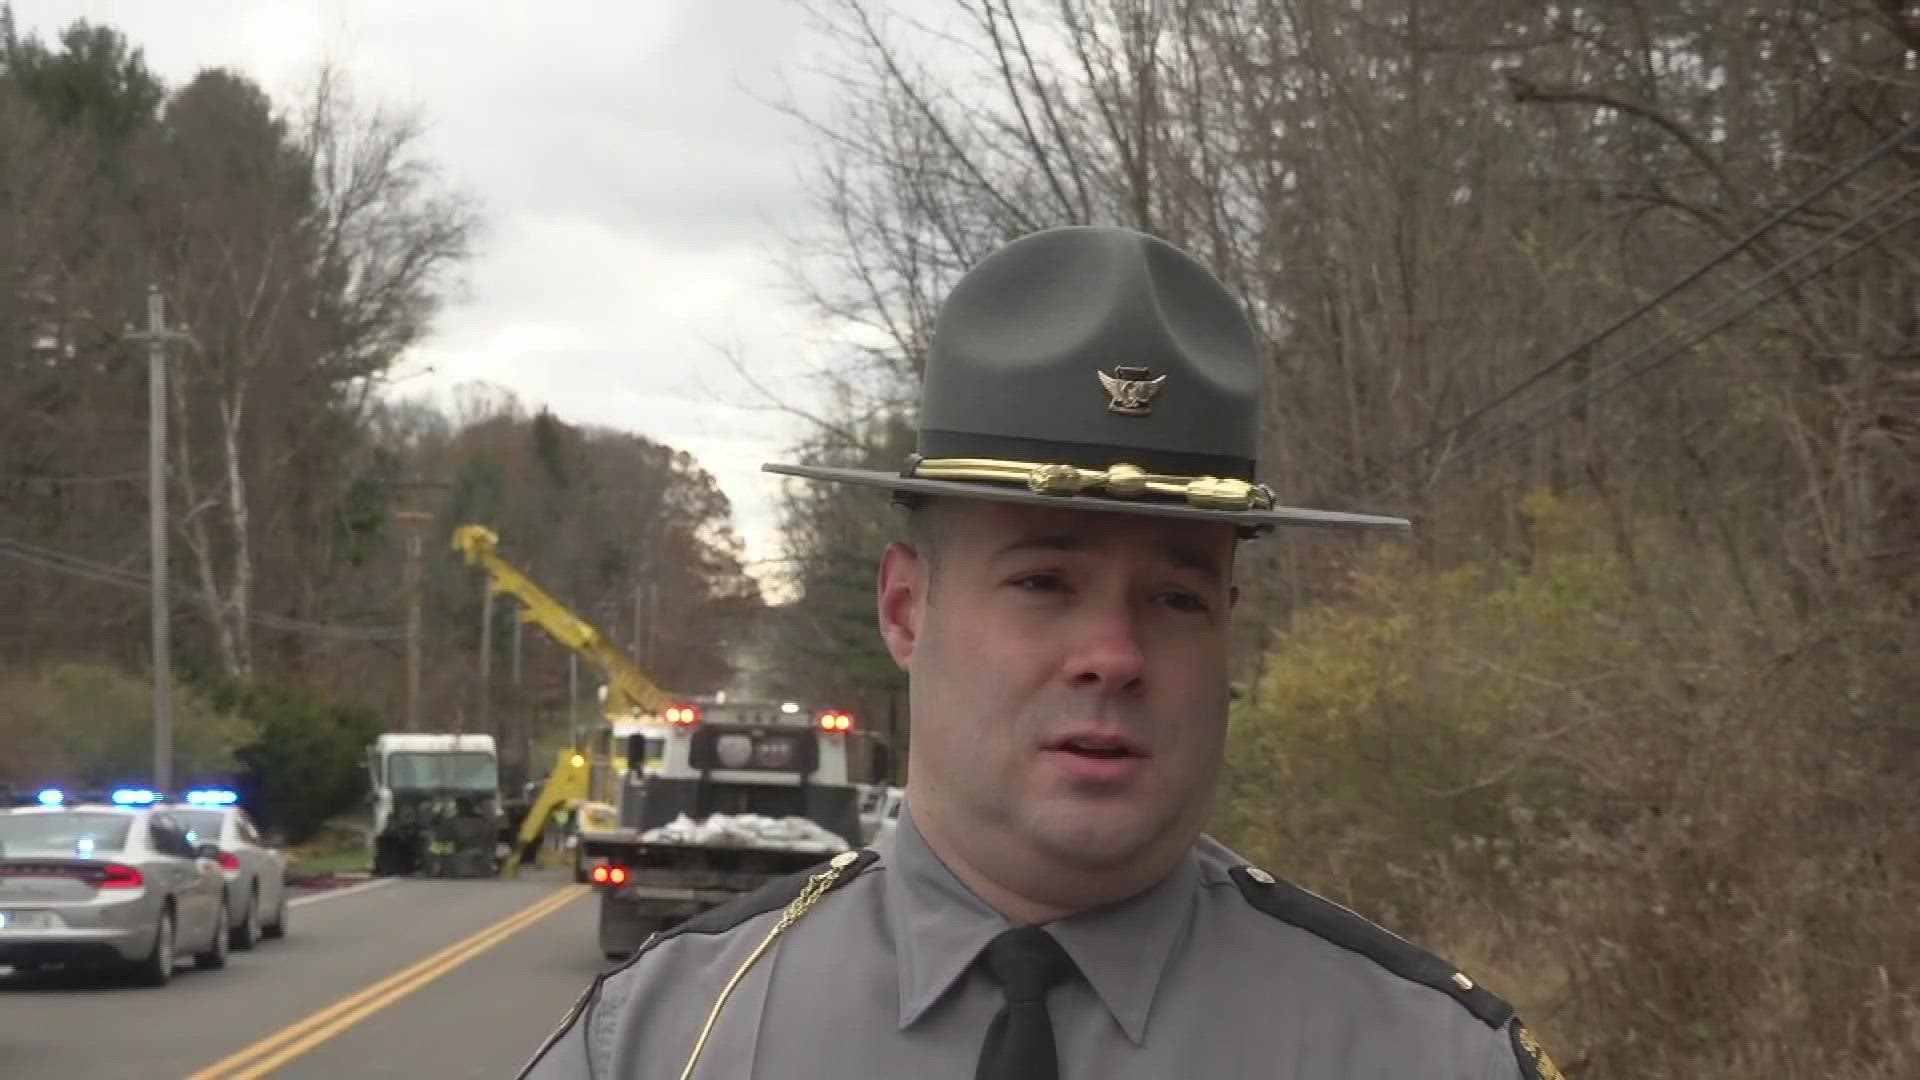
{"x": 229, "y": 861}
{"x": 609, "y": 875}
{"x": 116, "y": 876}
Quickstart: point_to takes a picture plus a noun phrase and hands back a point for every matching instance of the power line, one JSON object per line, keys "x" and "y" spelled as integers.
{"x": 1844, "y": 173}
{"x": 1506, "y": 438}
{"x": 75, "y": 566}
{"x": 23, "y": 477}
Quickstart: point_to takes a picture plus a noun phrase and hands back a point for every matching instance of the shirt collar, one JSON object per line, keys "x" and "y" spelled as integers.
{"x": 939, "y": 927}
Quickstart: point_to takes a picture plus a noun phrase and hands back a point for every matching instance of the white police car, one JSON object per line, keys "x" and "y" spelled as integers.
{"x": 110, "y": 882}
{"x": 255, "y": 871}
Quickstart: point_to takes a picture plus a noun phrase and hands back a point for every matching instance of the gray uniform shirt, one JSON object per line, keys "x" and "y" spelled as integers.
{"x": 1216, "y": 972}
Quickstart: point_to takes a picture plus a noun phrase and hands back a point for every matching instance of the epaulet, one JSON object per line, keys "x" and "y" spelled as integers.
{"x": 1351, "y": 931}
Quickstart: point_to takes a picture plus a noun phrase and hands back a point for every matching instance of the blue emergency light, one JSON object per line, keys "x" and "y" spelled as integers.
{"x": 135, "y": 797}
{"x": 212, "y": 797}
{"x": 52, "y": 796}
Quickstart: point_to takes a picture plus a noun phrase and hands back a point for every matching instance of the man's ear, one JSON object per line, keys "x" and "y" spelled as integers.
{"x": 902, "y": 597}
{"x": 1233, "y": 596}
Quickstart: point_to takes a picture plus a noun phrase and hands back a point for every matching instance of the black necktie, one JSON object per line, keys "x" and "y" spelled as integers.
{"x": 1026, "y": 962}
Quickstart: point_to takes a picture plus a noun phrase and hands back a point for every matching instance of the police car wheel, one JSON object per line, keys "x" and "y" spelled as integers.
{"x": 157, "y": 969}
{"x": 248, "y": 933}
{"x": 278, "y": 927}
{"x": 215, "y": 956}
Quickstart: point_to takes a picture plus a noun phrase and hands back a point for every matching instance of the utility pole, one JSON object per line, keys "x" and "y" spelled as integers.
{"x": 519, "y": 628}
{"x": 486, "y": 653}
{"x": 653, "y": 623}
{"x": 573, "y": 699}
{"x": 157, "y": 336}
{"x": 640, "y": 623}
{"x": 646, "y": 612}
{"x": 414, "y": 519}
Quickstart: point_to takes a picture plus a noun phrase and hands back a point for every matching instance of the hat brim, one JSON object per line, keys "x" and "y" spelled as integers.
{"x": 1278, "y": 517}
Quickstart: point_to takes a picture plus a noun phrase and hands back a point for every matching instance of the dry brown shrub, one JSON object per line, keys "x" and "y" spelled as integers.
{"x": 1672, "y": 821}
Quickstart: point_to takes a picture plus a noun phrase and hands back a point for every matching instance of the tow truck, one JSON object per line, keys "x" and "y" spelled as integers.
{"x": 682, "y": 802}
{"x": 747, "y": 792}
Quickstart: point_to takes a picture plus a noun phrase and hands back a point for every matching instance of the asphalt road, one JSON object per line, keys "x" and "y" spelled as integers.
{"x": 421, "y": 979}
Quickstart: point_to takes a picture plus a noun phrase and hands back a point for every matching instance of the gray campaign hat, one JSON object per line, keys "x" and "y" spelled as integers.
{"x": 1098, "y": 368}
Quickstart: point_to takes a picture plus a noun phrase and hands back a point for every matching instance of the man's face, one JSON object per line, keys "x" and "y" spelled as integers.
{"x": 1069, "y": 682}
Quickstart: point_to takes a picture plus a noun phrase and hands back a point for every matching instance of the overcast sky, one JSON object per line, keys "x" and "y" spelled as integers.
{"x": 636, "y": 195}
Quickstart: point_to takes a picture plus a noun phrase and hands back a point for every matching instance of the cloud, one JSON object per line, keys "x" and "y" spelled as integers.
{"x": 635, "y": 193}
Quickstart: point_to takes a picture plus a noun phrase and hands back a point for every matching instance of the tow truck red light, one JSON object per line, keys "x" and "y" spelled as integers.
{"x": 682, "y": 715}
{"x": 835, "y": 721}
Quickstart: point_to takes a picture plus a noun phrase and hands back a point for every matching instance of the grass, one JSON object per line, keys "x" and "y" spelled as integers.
{"x": 307, "y": 863}
{"x": 340, "y": 846}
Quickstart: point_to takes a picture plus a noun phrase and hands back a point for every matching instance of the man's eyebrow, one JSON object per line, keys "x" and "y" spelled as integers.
{"x": 1180, "y": 556}
{"x": 1196, "y": 560}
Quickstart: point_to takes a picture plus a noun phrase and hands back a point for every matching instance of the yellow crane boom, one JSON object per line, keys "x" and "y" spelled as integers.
{"x": 629, "y": 690}
{"x": 630, "y": 693}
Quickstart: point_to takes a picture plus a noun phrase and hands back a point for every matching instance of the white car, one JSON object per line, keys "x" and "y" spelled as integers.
{"x": 255, "y": 871}
{"x": 113, "y": 884}
{"x": 880, "y": 813}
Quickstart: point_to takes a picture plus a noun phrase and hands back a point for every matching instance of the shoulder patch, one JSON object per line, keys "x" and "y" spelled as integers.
{"x": 1351, "y": 931}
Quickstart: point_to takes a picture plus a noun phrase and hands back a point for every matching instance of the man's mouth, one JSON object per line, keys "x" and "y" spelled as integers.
{"x": 1106, "y": 747}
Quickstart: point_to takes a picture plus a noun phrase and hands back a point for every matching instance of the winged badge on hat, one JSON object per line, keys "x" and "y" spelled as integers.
{"x": 1132, "y": 389}
{"x": 1099, "y": 367}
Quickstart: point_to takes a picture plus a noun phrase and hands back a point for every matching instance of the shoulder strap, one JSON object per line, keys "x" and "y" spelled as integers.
{"x": 1343, "y": 927}
{"x": 1534, "y": 1062}
{"x": 772, "y": 896}
{"x": 795, "y": 892}
{"x": 816, "y": 885}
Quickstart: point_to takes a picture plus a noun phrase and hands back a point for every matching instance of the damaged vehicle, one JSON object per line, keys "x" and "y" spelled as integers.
{"x": 436, "y": 805}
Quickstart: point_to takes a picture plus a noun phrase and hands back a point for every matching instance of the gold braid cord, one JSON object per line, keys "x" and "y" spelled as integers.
{"x": 810, "y": 894}
{"x": 1121, "y": 481}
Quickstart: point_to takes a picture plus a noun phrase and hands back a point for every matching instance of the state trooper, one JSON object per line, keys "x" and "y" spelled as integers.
{"x": 1049, "y": 905}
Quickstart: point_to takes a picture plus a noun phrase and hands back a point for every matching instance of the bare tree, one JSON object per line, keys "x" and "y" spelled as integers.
{"x": 303, "y": 262}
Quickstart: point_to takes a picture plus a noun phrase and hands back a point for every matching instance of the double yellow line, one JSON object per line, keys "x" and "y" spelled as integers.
{"x": 303, "y": 1035}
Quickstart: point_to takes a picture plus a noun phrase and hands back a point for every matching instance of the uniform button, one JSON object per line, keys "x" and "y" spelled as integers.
{"x": 1259, "y": 875}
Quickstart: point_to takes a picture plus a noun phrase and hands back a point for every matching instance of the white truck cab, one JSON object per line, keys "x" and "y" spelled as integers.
{"x": 436, "y": 803}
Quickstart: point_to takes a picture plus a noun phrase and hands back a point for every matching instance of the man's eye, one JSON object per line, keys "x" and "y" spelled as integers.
{"x": 1040, "y": 582}
{"x": 1185, "y": 602}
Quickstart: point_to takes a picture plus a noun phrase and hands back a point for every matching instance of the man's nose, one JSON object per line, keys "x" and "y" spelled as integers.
{"x": 1107, "y": 650}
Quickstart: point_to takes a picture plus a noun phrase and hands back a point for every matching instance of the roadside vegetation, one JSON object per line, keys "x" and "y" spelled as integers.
{"x": 307, "y": 242}
{"x": 1626, "y": 728}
